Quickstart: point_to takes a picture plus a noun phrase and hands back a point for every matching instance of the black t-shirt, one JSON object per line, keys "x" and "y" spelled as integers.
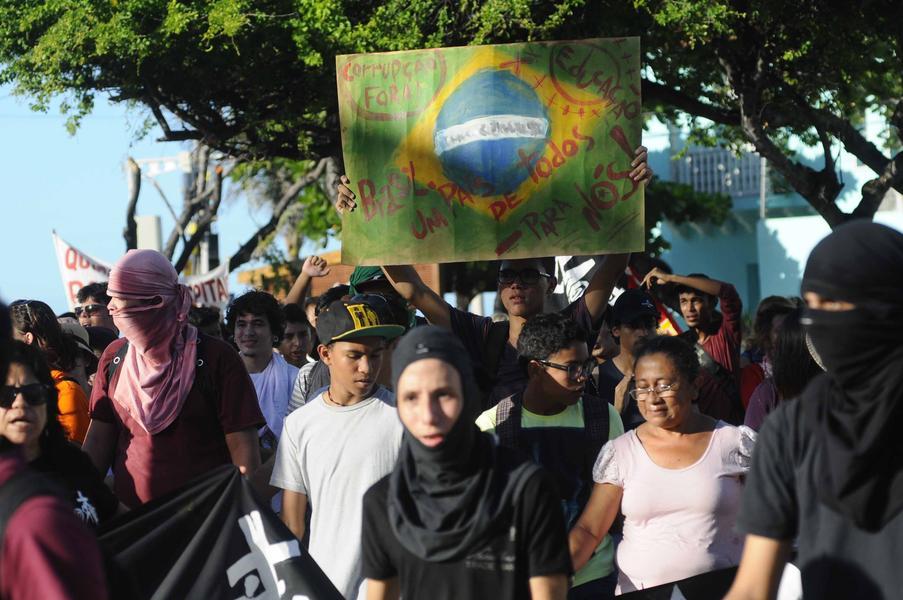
{"x": 780, "y": 501}
{"x": 531, "y": 542}
{"x": 609, "y": 377}
{"x": 511, "y": 377}
{"x": 92, "y": 501}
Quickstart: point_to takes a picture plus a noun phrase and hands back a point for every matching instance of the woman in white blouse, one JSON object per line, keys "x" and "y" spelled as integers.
{"x": 677, "y": 478}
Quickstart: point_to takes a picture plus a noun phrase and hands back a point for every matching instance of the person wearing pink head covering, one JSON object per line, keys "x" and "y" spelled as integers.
{"x": 177, "y": 402}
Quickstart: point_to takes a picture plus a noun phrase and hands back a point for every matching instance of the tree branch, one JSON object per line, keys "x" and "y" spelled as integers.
{"x": 247, "y": 249}
{"x": 657, "y": 92}
{"x": 820, "y": 188}
{"x": 874, "y": 191}
{"x": 203, "y": 225}
{"x": 131, "y": 226}
{"x": 168, "y": 134}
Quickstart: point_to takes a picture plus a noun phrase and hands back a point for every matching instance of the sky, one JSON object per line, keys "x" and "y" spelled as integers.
{"x": 76, "y": 185}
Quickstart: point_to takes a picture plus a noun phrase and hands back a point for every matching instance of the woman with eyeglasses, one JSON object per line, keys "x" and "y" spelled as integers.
{"x": 677, "y": 478}
{"x": 28, "y": 411}
{"x": 35, "y": 324}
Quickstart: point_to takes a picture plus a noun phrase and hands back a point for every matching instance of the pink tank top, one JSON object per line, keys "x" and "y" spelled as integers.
{"x": 677, "y": 522}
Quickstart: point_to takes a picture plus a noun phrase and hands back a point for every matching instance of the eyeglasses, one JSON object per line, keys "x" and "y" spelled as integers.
{"x": 89, "y": 309}
{"x": 575, "y": 371}
{"x": 661, "y": 391}
{"x": 525, "y": 276}
{"x": 35, "y": 394}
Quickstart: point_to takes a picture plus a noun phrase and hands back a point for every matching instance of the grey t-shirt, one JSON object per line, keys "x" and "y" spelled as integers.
{"x": 333, "y": 454}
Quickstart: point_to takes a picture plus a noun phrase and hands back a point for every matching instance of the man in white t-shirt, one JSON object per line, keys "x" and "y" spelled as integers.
{"x": 336, "y": 446}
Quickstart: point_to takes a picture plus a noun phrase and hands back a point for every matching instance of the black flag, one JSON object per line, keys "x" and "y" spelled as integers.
{"x": 706, "y": 586}
{"x": 211, "y": 539}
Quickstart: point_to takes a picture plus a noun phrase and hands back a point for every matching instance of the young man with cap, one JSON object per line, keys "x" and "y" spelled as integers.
{"x": 715, "y": 335}
{"x": 334, "y": 447}
{"x": 633, "y": 317}
{"x": 562, "y": 428}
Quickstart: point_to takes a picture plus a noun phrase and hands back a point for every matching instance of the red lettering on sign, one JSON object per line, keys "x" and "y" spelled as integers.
{"x": 425, "y": 225}
{"x": 500, "y": 207}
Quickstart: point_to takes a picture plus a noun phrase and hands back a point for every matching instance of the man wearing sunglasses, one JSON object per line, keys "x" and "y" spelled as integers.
{"x": 561, "y": 427}
{"x": 92, "y": 307}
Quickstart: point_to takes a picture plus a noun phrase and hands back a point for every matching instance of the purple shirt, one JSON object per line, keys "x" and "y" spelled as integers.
{"x": 47, "y": 553}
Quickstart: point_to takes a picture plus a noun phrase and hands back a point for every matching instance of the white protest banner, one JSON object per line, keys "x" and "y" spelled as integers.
{"x": 77, "y": 269}
{"x": 210, "y": 289}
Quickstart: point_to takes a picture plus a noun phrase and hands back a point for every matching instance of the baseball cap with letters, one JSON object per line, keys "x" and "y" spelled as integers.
{"x": 346, "y": 320}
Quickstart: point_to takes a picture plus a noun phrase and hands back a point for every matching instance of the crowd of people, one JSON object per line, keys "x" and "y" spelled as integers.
{"x": 417, "y": 449}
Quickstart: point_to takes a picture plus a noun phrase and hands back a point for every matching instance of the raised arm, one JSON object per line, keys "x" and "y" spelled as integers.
{"x": 712, "y": 287}
{"x": 594, "y": 522}
{"x": 603, "y": 282}
{"x": 410, "y": 286}
{"x": 313, "y": 267}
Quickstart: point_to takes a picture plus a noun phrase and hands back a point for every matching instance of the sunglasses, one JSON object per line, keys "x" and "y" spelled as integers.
{"x": 525, "y": 276}
{"x": 35, "y": 394}
{"x": 575, "y": 371}
{"x": 89, "y": 310}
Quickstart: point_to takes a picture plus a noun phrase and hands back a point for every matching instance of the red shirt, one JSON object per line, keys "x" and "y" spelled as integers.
{"x": 146, "y": 466}
{"x": 724, "y": 346}
{"x": 47, "y": 553}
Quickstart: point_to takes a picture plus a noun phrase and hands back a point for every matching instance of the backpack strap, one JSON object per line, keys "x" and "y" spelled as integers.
{"x": 18, "y": 489}
{"x": 508, "y": 421}
{"x": 596, "y": 423}
{"x": 113, "y": 365}
{"x": 202, "y": 374}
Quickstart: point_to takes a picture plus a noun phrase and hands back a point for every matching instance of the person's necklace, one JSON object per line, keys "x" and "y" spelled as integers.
{"x": 329, "y": 398}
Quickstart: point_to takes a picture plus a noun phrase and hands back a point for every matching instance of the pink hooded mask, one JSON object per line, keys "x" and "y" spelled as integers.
{"x": 157, "y": 371}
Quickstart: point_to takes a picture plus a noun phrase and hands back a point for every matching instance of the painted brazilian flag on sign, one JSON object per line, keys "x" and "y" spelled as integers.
{"x": 480, "y": 153}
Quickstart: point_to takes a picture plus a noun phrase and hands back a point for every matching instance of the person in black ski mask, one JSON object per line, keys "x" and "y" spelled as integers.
{"x": 828, "y": 468}
{"x": 460, "y": 516}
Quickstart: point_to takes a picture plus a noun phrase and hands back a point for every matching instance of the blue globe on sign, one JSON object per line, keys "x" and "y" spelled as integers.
{"x": 490, "y": 132}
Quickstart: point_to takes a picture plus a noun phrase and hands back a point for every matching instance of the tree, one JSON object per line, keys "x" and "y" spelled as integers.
{"x": 255, "y": 79}
{"x": 296, "y": 204}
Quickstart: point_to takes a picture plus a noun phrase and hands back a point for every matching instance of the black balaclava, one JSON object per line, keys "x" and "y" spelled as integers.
{"x": 445, "y": 502}
{"x": 857, "y": 410}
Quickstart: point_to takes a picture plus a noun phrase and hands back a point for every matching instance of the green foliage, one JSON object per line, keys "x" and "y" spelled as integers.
{"x": 255, "y": 78}
{"x": 678, "y": 203}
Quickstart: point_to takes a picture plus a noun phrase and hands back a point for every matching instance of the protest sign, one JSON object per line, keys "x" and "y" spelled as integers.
{"x": 77, "y": 269}
{"x": 210, "y": 289}
{"x": 212, "y": 538}
{"x": 487, "y": 152}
